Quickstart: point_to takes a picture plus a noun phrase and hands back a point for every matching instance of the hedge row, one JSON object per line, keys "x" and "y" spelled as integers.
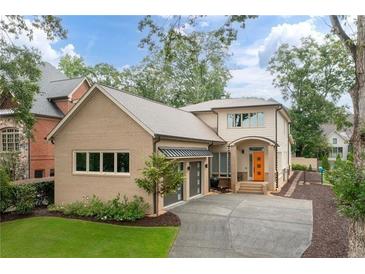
{"x": 23, "y": 198}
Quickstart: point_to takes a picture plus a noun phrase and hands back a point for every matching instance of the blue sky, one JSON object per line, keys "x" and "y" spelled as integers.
{"x": 114, "y": 40}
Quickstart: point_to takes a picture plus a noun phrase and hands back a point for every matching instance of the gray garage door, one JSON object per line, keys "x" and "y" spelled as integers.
{"x": 195, "y": 178}
{"x": 176, "y": 196}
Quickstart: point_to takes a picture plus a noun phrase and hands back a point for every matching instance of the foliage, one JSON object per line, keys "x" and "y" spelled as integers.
{"x": 349, "y": 187}
{"x": 310, "y": 167}
{"x": 19, "y": 66}
{"x": 45, "y": 193}
{"x": 313, "y": 76}
{"x": 24, "y": 198}
{"x": 5, "y": 190}
{"x": 299, "y": 167}
{"x": 116, "y": 209}
{"x": 160, "y": 175}
{"x": 325, "y": 163}
{"x": 10, "y": 161}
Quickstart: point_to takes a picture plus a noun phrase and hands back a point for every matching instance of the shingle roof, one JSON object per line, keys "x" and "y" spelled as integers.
{"x": 162, "y": 119}
{"x": 329, "y": 128}
{"x": 53, "y": 83}
{"x": 229, "y": 103}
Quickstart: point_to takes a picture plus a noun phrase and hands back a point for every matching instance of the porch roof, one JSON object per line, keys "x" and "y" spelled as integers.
{"x": 183, "y": 152}
{"x": 264, "y": 139}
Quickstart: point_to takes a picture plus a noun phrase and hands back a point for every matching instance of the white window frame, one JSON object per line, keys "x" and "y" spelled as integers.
{"x": 233, "y": 115}
{"x": 101, "y": 172}
{"x": 334, "y": 141}
{"x": 4, "y": 132}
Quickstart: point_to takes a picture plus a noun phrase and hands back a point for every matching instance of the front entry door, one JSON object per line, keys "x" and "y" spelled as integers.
{"x": 195, "y": 178}
{"x": 258, "y": 166}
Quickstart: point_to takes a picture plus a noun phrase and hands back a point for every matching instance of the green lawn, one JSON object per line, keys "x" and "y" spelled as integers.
{"x": 54, "y": 237}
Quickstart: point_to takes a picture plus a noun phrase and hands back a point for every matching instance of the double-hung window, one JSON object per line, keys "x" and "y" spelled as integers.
{"x": 100, "y": 162}
{"x": 10, "y": 139}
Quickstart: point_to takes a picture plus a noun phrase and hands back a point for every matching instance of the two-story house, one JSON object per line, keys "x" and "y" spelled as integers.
{"x": 33, "y": 157}
{"x": 101, "y": 145}
{"x": 338, "y": 141}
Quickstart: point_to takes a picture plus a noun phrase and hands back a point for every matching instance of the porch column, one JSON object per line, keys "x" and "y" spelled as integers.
{"x": 234, "y": 168}
{"x": 271, "y": 167}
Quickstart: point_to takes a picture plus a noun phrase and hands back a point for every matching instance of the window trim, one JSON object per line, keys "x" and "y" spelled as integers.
{"x": 101, "y": 172}
{"x": 17, "y": 145}
{"x": 233, "y": 125}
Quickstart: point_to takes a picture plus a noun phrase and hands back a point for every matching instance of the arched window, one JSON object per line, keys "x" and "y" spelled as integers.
{"x": 10, "y": 139}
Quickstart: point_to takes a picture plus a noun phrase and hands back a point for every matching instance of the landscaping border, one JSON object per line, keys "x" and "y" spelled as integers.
{"x": 166, "y": 219}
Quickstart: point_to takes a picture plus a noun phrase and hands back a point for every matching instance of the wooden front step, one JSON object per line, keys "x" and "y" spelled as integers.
{"x": 255, "y": 188}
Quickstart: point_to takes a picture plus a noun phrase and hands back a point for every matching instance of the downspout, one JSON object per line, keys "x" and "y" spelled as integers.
{"x": 276, "y": 147}
{"x": 155, "y": 198}
{"x": 288, "y": 148}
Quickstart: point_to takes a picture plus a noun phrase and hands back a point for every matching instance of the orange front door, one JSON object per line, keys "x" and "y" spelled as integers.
{"x": 258, "y": 166}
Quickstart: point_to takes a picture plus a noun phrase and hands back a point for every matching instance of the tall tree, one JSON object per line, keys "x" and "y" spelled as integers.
{"x": 356, "y": 50}
{"x": 19, "y": 65}
{"x": 102, "y": 73}
{"x": 313, "y": 76}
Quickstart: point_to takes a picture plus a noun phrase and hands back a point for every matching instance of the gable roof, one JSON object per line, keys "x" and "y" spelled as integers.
{"x": 52, "y": 84}
{"x": 327, "y": 129}
{"x": 158, "y": 119}
{"x": 230, "y": 103}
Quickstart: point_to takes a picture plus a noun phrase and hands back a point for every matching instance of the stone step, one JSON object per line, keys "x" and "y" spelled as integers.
{"x": 252, "y": 187}
{"x": 250, "y": 191}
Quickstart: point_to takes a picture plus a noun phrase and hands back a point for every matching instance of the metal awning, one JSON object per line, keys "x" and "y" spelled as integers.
{"x": 183, "y": 152}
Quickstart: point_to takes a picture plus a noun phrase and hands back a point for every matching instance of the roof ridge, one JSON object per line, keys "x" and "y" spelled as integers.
{"x": 67, "y": 79}
{"x": 144, "y": 98}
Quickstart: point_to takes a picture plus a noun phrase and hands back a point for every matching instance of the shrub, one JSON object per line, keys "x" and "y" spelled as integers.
{"x": 299, "y": 167}
{"x": 116, "y": 209}
{"x": 45, "y": 193}
{"x": 325, "y": 163}
{"x": 5, "y": 191}
{"x": 310, "y": 168}
{"x": 349, "y": 187}
{"x": 24, "y": 198}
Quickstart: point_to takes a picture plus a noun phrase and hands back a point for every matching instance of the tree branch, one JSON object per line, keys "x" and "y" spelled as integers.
{"x": 339, "y": 31}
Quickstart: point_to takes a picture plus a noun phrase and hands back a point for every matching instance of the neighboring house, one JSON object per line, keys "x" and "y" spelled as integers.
{"x": 102, "y": 144}
{"x": 57, "y": 94}
{"x": 338, "y": 141}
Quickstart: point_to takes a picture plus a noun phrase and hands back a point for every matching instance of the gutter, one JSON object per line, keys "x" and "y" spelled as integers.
{"x": 276, "y": 147}
{"x": 155, "y": 194}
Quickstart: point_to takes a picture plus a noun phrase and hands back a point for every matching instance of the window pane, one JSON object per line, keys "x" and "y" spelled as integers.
{"x": 223, "y": 163}
{"x": 215, "y": 162}
{"x": 94, "y": 161}
{"x": 260, "y": 119}
{"x": 253, "y": 120}
{"x": 81, "y": 161}
{"x": 334, "y": 141}
{"x": 122, "y": 162}
{"x": 245, "y": 120}
{"x": 230, "y": 120}
{"x": 237, "y": 120}
{"x": 108, "y": 162}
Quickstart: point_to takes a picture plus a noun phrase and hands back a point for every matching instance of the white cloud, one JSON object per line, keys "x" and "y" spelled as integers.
{"x": 249, "y": 76}
{"x": 45, "y": 46}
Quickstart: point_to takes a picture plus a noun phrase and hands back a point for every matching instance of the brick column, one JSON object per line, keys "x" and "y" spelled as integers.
{"x": 234, "y": 168}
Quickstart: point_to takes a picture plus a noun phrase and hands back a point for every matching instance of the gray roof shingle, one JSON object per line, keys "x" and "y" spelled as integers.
{"x": 53, "y": 83}
{"x": 162, "y": 119}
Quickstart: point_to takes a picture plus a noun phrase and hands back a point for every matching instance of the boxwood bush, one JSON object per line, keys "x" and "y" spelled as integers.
{"x": 299, "y": 167}
{"x": 118, "y": 209}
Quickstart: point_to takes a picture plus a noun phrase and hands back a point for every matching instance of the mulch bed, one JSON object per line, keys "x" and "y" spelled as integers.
{"x": 167, "y": 219}
{"x": 330, "y": 229}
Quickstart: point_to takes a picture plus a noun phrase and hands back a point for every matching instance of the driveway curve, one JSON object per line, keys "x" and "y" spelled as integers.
{"x": 243, "y": 225}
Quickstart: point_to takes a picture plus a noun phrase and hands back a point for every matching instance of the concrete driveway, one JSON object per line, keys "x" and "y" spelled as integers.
{"x": 243, "y": 225}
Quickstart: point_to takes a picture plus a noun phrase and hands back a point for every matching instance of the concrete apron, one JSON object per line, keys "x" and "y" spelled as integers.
{"x": 243, "y": 225}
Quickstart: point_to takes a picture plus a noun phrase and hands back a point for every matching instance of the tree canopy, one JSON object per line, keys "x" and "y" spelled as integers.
{"x": 313, "y": 76}
{"x": 19, "y": 65}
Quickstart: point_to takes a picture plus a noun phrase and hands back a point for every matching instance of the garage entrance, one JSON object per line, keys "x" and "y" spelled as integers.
{"x": 177, "y": 196}
{"x": 195, "y": 178}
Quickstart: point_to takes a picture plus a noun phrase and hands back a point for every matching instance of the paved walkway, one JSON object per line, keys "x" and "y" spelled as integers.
{"x": 243, "y": 225}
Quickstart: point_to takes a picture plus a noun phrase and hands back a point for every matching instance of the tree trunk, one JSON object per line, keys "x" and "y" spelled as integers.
{"x": 357, "y": 93}
{"x": 357, "y": 239}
